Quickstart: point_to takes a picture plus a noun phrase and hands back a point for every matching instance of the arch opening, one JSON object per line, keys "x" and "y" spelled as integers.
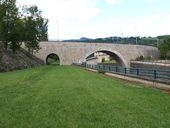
{"x": 52, "y": 59}
{"x": 106, "y": 57}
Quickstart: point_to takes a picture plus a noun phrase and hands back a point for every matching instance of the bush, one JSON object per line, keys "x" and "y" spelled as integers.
{"x": 101, "y": 71}
{"x": 103, "y": 60}
{"x": 165, "y": 49}
{"x": 140, "y": 58}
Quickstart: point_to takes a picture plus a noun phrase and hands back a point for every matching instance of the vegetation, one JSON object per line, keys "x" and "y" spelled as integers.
{"x": 151, "y": 41}
{"x": 16, "y": 27}
{"x": 36, "y": 28}
{"x": 142, "y": 58}
{"x": 69, "y": 97}
{"x": 103, "y": 60}
{"x": 165, "y": 49}
{"x": 111, "y": 60}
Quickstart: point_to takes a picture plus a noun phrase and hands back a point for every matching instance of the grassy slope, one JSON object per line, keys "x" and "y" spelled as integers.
{"x": 70, "y": 97}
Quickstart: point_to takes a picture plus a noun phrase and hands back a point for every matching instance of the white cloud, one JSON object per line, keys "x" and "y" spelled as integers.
{"x": 151, "y": 1}
{"x": 113, "y": 1}
{"x": 78, "y": 10}
{"x": 146, "y": 26}
{"x": 153, "y": 25}
{"x": 67, "y": 12}
{"x": 78, "y": 18}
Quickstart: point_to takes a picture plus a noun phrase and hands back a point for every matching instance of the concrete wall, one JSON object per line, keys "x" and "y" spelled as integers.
{"x": 70, "y": 52}
{"x": 150, "y": 65}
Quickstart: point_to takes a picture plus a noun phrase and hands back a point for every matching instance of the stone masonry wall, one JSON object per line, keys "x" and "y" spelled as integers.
{"x": 70, "y": 52}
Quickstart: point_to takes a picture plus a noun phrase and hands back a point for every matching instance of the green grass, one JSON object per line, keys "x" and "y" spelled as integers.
{"x": 69, "y": 97}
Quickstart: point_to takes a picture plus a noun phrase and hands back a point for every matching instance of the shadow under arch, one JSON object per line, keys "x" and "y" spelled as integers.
{"x": 116, "y": 55}
{"x": 52, "y": 59}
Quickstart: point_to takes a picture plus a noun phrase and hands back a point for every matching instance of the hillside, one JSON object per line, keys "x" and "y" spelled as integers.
{"x": 19, "y": 60}
{"x": 151, "y": 41}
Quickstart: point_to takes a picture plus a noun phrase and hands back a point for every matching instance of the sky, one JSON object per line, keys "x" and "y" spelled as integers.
{"x": 73, "y": 19}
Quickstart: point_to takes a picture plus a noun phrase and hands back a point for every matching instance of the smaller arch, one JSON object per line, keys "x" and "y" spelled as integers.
{"x": 52, "y": 59}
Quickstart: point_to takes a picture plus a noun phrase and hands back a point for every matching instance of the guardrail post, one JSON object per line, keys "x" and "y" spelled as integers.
{"x": 116, "y": 69}
{"x": 155, "y": 74}
{"x": 125, "y": 71}
{"x": 137, "y": 72}
{"x": 109, "y": 68}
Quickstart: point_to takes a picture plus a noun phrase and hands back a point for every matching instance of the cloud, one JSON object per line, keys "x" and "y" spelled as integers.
{"x": 151, "y": 1}
{"x": 80, "y": 10}
{"x": 113, "y": 1}
{"x": 78, "y": 18}
{"x": 152, "y": 25}
{"x": 67, "y": 12}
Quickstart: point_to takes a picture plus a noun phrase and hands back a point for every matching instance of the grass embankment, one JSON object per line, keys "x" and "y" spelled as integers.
{"x": 69, "y": 97}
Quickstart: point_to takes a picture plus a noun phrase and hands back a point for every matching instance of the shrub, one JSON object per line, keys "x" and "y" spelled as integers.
{"x": 140, "y": 58}
{"x": 101, "y": 71}
{"x": 103, "y": 60}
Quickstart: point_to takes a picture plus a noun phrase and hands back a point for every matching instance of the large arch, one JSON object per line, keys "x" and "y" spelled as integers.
{"x": 53, "y": 57}
{"x": 117, "y": 56}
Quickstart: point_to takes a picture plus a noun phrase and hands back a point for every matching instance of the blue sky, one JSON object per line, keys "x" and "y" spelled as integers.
{"x": 104, "y": 18}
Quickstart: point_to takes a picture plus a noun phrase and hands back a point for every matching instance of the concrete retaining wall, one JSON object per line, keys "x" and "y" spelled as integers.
{"x": 150, "y": 65}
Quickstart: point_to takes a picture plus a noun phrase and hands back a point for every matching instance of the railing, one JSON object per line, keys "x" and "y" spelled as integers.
{"x": 142, "y": 73}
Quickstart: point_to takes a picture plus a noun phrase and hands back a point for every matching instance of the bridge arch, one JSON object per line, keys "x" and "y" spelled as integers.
{"x": 116, "y": 55}
{"x": 52, "y": 58}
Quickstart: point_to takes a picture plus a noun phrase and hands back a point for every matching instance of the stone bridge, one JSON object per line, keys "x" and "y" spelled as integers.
{"x": 70, "y": 52}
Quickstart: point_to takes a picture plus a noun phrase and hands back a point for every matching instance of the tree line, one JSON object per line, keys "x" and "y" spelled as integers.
{"x": 20, "y": 25}
{"x": 151, "y": 41}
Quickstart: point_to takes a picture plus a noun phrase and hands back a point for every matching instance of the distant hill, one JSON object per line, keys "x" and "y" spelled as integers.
{"x": 82, "y": 39}
{"x": 85, "y": 39}
{"x": 152, "y": 41}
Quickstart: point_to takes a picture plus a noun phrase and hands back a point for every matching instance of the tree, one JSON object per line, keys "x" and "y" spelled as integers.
{"x": 2, "y": 23}
{"x": 43, "y": 29}
{"x": 1, "y": 18}
{"x": 165, "y": 49}
{"x": 17, "y": 35}
{"x": 9, "y": 16}
{"x": 27, "y": 26}
{"x": 35, "y": 28}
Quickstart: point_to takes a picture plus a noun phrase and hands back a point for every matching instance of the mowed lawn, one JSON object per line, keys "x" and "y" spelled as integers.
{"x": 69, "y": 97}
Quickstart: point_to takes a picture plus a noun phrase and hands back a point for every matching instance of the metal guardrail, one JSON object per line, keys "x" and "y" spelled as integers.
{"x": 142, "y": 73}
